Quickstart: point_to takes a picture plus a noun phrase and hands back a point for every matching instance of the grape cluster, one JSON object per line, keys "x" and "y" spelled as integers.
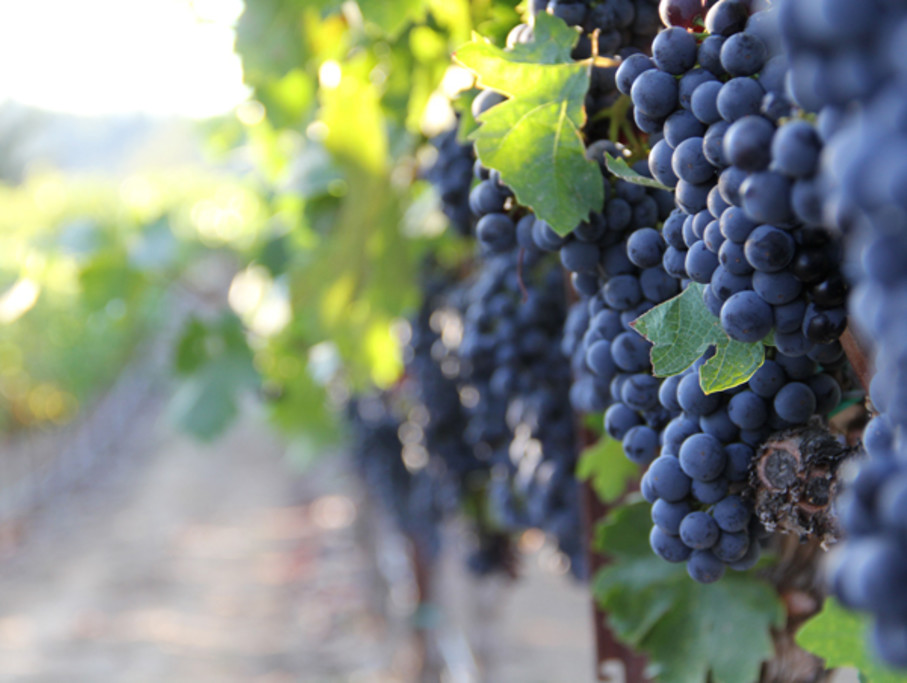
{"x": 619, "y": 23}
{"x": 515, "y": 383}
{"x": 614, "y": 261}
{"x": 410, "y": 497}
{"x": 433, "y": 432}
{"x": 744, "y": 175}
{"x": 451, "y": 176}
{"x": 696, "y": 483}
{"x": 847, "y": 67}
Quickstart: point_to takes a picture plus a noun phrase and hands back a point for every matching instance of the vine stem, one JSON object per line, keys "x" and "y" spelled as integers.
{"x": 858, "y": 357}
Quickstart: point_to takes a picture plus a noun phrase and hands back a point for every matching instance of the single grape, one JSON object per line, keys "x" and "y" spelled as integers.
{"x": 743, "y": 54}
{"x": 660, "y": 159}
{"x": 732, "y": 514}
{"x": 766, "y": 197}
{"x": 679, "y": 12}
{"x": 630, "y": 352}
{"x": 727, "y": 17}
{"x": 668, "y": 547}
{"x": 729, "y": 183}
{"x": 703, "y": 566}
{"x": 736, "y": 225}
{"x": 645, "y": 247}
{"x": 693, "y": 399}
{"x": 731, "y": 547}
{"x": 713, "y": 148}
{"x": 689, "y": 162}
{"x": 747, "y": 410}
{"x": 724, "y": 283}
{"x": 579, "y": 257}
{"x": 640, "y": 392}
{"x": 769, "y": 249}
{"x": 496, "y": 232}
{"x": 599, "y": 361}
{"x": 680, "y": 126}
{"x": 704, "y": 102}
{"x": 746, "y": 317}
{"x": 739, "y": 97}
{"x": 674, "y": 50}
{"x": 747, "y": 143}
{"x": 654, "y": 93}
{"x": 668, "y": 479}
{"x": 709, "y": 56}
{"x": 622, "y": 292}
{"x": 619, "y": 419}
{"x": 691, "y": 197}
{"x": 708, "y": 492}
{"x": 777, "y": 288}
{"x": 702, "y": 457}
{"x": 640, "y": 445}
{"x": 795, "y": 402}
{"x": 667, "y": 393}
{"x": 795, "y": 149}
{"x": 700, "y": 263}
{"x": 668, "y": 516}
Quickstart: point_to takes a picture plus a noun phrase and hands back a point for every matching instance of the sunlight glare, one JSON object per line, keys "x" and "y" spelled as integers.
{"x": 18, "y": 300}
{"x": 97, "y": 57}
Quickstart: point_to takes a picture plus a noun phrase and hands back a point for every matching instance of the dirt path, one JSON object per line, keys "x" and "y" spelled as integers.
{"x": 219, "y": 564}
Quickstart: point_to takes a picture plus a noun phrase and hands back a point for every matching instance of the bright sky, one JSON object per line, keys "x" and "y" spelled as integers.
{"x": 115, "y": 56}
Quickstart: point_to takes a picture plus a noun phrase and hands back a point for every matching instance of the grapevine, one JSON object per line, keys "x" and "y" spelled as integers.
{"x": 655, "y": 246}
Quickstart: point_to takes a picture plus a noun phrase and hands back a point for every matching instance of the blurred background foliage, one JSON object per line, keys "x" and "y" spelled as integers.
{"x": 303, "y": 233}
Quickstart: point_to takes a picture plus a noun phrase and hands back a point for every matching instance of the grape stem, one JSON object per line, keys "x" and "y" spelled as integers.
{"x": 858, "y": 357}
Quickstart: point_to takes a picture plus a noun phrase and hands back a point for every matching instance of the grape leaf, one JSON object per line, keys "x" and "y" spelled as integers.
{"x": 216, "y": 363}
{"x": 605, "y": 467}
{"x": 682, "y": 329}
{"x": 622, "y": 170}
{"x": 839, "y": 637}
{"x": 534, "y": 138}
{"x": 392, "y": 17}
{"x": 689, "y": 631}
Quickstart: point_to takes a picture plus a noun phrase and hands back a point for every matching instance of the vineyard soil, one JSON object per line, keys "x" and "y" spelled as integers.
{"x": 219, "y": 564}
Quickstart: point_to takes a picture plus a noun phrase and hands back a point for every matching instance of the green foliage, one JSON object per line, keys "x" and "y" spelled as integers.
{"x": 216, "y": 363}
{"x": 691, "y": 632}
{"x": 534, "y": 138}
{"x": 607, "y": 469}
{"x": 268, "y": 36}
{"x": 682, "y": 329}
{"x": 622, "y": 170}
{"x": 91, "y": 263}
{"x": 839, "y": 637}
{"x": 391, "y": 17}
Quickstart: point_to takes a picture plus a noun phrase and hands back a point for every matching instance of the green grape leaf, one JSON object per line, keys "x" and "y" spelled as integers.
{"x": 468, "y": 123}
{"x": 606, "y": 468}
{"x": 622, "y": 170}
{"x": 682, "y": 329}
{"x": 690, "y": 632}
{"x": 534, "y": 138}
{"x": 205, "y": 404}
{"x": 215, "y": 362}
{"x": 392, "y": 17}
{"x": 839, "y": 637}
